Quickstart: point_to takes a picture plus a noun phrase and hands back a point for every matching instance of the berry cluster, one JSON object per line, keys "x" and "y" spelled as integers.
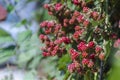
{"x": 86, "y": 57}
{"x": 71, "y": 27}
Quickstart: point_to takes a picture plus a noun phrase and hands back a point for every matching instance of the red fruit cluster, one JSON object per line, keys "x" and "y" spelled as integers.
{"x": 71, "y": 28}
{"x": 74, "y": 54}
{"x": 86, "y": 55}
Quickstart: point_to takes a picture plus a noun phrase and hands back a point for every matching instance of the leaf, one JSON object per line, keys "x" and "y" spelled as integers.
{"x": 114, "y": 73}
{"x": 66, "y": 76}
{"x": 5, "y": 55}
{"x": 23, "y": 36}
{"x": 24, "y": 57}
{"x": 62, "y": 63}
{"x": 24, "y": 21}
{"x": 35, "y": 62}
{"x": 107, "y": 48}
{"x": 70, "y": 5}
{"x": 29, "y": 50}
{"x": 3, "y": 33}
{"x": 30, "y": 75}
{"x": 6, "y": 41}
{"x": 95, "y": 23}
{"x": 10, "y": 8}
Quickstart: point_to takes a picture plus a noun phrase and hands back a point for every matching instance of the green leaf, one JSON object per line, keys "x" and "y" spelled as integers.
{"x": 23, "y": 36}
{"x": 95, "y": 23}
{"x": 30, "y": 75}
{"x": 107, "y": 48}
{"x": 24, "y": 21}
{"x": 62, "y": 63}
{"x": 66, "y": 76}
{"x": 114, "y": 73}
{"x": 5, "y": 41}
{"x": 24, "y": 57}
{"x": 29, "y": 51}
{"x": 3, "y": 33}
{"x": 10, "y": 8}
{"x": 35, "y": 62}
{"x": 5, "y": 55}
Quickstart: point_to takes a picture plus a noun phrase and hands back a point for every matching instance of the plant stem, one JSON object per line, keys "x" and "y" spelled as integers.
{"x": 106, "y": 9}
{"x": 101, "y": 70}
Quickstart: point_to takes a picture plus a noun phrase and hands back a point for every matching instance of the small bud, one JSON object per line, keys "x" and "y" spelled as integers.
{"x": 101, "y": 56}
{"x": 85, "y": 9}
{"x": 84, "y": 54}
{"x": 90, "y": 64}
{"x": 98, "y": 49}
{"x": 76, "y": 13}
{"x": 71, "y": 67}
{"x": 58, "y": 6}
{"x": 46, "y": 6}
{"x": 77, "y": 28}
{"x": 91, "y": 44}
{"x": 85, "y": 61}
{"x": 86, "y": 23}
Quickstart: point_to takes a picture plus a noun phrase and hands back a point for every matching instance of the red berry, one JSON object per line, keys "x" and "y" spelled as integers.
{"x": 45, "y": 54}
{"x": 50, "y": 24}
{"x": 98, "y": 49}
{"x": 84, "y": 54}
{"x": 91, "y": 44}
{"x": 80, "y": 18}
{"x": 85, "y": 9}
{"x": 43, "y": 24}
{"x": 90, "y": 64}
{"x": 76, "y": 13}
{"x": 92, "y": 56}
{"x": 66, "y": 40}
{"x": 71, "y": 67}
{"x": 46, "y": 6}
{"x": 94, "y": 14}
{"x": 74, "y": 54}
{"x": 76, "y": 2}
{"x": 77, "y": 28}
{"x": 85, "y": 61}
{"x": 86, "y": 23}
{"x": 58, "y": 6}
{"x": 82, "y": 46}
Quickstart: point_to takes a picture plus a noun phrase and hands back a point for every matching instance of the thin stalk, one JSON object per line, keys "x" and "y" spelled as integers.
{"x": 95, "y": 76}
{"x": 86, "y": 76}
{"x": 101, "y": 70}
{"x": 106, "y": 9}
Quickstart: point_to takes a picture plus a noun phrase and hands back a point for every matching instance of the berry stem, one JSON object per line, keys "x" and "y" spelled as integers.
{"x": 101, "y": 70}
